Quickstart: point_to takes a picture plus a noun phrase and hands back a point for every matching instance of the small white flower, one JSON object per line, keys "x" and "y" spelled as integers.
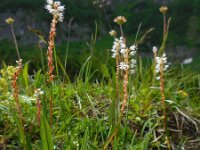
{"x": 38, "y": 92}
{"x": 161, "y": 61}
{"x": 154, "y": 49}
{"x": 57, "y": 3}
{"x": 115, "y": 48}
{"x": 133, "y": 61}
{"x": 158, "y": 78}
{"x": 50, "y": 2}
{"x": 133, "y": 47}
{"x": 48, "y": 7}
{"x": 132, "y": 53}
{"x": 122, "y": 45}
{"x": 61, "y": 8}
{"x": 132, "y": 71}
{"x": 55, "y": 9}
{"x": 187, "y": 61}
{"x": 123, "y": 51}
{"x": 114, "y": 55}
{"x": 123, "y": 66}
{"x": 113, "y": 33}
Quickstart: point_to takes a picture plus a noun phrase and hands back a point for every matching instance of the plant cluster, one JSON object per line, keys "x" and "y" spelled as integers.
{"x": 133, "y": 107}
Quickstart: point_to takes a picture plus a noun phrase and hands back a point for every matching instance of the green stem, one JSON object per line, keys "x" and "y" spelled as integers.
{"x": 15, "y": 41}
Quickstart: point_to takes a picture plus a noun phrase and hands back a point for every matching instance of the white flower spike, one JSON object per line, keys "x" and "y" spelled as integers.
{"x": 161, "y": 61}
{"x": 55, "y": 9}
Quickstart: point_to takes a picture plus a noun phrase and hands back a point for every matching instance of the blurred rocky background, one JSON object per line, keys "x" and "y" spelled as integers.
{"x": 82, "y": 16}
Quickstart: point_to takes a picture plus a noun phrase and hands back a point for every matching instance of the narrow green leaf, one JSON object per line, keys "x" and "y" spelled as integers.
{"x": 45, "y": 134}
{"x": 25, "y": 75}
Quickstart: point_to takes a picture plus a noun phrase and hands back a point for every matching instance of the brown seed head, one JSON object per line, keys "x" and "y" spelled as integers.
{"x": 163, "y": 9}
{"x": 120, "y": 20}
{"x": 9, "y": 20}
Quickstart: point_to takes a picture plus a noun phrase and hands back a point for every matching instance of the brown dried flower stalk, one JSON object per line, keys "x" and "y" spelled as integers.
{"x": 162, "y": 88}
{"x": 37, "y": 94}
{"x": 57, "y": 11}
{"x": 163, "y": 10}
{"x": 52, "y": 35}
{"x": 125, "y": 85}
{"x": 161, "y": 66}
{"x": 16, "y": 88}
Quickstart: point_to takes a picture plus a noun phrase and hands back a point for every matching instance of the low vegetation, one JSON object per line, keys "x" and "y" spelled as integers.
{"x": 115, "y": 100}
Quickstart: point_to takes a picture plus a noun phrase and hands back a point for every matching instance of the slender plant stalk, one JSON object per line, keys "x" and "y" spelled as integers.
{"x": 122, "y": 33}
{"x": 126, "y": 75}
{"x": 15, "y": 41}
{"x": 125, "y": 85}
{"x": 16, "y": 89}
{"x": 155, "y": 53}
{"x": 106, "y": 16}
{"x": 164, "y": 25}
{"x": 52, "y": 35}
{"x": 50, "y": 63}
{"x": 68, "y": 41}
{"x": 116, "y": 103}
{"x": 37, "y": 94}
{"x": 162, "y": 90}
{"x": 41, "y": 55}
{"x": 38, "y": 110}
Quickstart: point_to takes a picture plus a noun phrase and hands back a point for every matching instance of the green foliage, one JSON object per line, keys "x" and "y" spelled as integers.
{"x": 45, "y": 134}
{"x": 84, "y": 91}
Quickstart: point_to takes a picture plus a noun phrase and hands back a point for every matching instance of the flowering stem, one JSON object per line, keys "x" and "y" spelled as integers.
{"x": 121, "y": 30}
{"x": 154, "y": 64}
{"x": 15, "y": 41}
{"x": 117, "y": 83}
{"x": 50, "y": 48}
{"x": 15, "y": 87}
{"x": 50, "y": 61}
{"x": 164, "y": 26}
{"x": 125, "y": 86}
{"x": 163, "y": 103}
{"x": 38, "y": 110}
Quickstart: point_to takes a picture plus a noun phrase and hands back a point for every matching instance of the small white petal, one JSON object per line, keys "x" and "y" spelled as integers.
{"x": 48, "y": 7}
{"x": 50, "y": 2}
{"x": 57, "y": 3}
{"x": 154, "y": 49}
{"x": 187, "y": 61}
{"x": 61, "y": 8}
{"x": 132, "y": 53}
{"x": 132, "y": 71}
{"x": 133, "y": 47}
{"x": 157, "y": 78}
{"x": 123, "y": 51}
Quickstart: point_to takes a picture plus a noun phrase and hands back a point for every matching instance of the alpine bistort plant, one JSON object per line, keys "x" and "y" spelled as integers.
{"x": 115, "y": 54}
{"x": 37, "y": 94}
{"x": 16, "y": 88}
{"x": 161, "y": 66}
{"x": 128, "y": 65}
{"x": 57, "y": 10}
{"x": 127, "y": 62}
